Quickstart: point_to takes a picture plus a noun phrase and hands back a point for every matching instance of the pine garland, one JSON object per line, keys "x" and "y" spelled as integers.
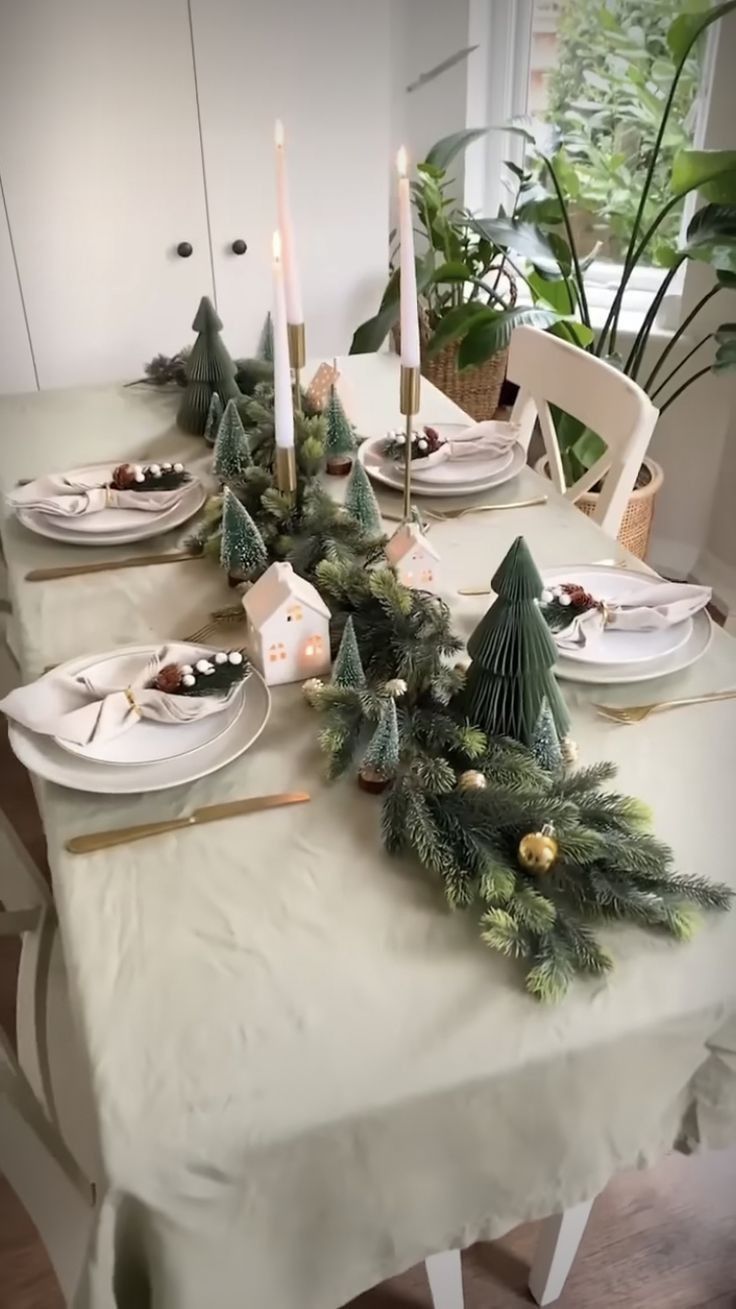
{"x": 609, "y": 867}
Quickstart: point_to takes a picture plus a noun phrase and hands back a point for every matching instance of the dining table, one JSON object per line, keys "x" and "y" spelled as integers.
{"x": 307, "y": 1072}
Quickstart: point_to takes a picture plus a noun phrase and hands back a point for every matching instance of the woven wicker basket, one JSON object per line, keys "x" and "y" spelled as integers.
{"x": 636, "y": 524}
{"x": 476, "y": 390}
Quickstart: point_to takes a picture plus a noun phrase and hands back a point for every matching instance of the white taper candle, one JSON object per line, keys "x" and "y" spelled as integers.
{"x": 408, "y": 275}
{"x": 283, "y": 404}
{"x": 292, "y": 288}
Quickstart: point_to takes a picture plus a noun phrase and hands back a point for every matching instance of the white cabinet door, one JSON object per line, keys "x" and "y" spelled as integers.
{"x": 101, "y": 164}
{"x": 323, "y": 68}
{"x": 16, "y": 361}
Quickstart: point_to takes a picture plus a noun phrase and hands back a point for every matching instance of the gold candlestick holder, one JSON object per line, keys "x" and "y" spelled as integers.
{"x": 286, "y": 470}
{"x": 297, "y": 359}
{"x": 409, "y": 405}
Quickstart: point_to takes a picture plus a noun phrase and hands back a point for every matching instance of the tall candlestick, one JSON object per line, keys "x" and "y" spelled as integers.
{"x": 282, "y": 397}
{"x": 408, "y": 274}
{"x": 294, "y": 312}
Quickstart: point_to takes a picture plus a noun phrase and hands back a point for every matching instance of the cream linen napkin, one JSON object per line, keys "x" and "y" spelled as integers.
{"x": 82, "y": 708}
{"x": 642, "y": 610}
{"x": 481, "y": 440}
{"x": 71, "y": 497}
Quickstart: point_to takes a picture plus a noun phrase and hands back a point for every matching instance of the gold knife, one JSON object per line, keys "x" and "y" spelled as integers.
{"x": 134, "y": 561}
{"x": 210, "y": 814}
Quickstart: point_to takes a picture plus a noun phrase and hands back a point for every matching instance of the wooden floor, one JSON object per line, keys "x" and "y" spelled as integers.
{"x": 664, "y": 1239}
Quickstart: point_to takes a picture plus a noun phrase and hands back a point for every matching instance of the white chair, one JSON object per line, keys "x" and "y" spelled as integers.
{"x": 36, "y": 1090}
{"x": 552, "y": 372}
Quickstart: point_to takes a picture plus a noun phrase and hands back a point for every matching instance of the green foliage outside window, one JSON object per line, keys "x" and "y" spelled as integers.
{"x": 606, "y": 97}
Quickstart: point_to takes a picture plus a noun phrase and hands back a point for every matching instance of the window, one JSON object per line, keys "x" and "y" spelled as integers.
{"x": 564, "y": 63}
{"x": 600, "y": 74}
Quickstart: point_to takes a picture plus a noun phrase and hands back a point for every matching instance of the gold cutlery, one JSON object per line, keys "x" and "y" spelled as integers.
{"x": 637, "y": 713}
{"x": 444, "y": 516}
{"x": 230, "y": 617}
{"x": 133, "y": 561}
{"x": 210, "y": 814}
{"x": 599, "y": 563}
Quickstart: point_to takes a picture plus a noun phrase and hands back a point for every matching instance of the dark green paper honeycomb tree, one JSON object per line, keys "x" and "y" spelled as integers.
{"x": 209, "y": 368}
{"x": 510, "y": 682}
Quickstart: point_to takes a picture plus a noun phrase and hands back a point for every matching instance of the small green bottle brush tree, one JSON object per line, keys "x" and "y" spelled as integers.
{"x": 232, "y": 457}
{"x": 208, "y": 368}
{"x": 340, "y": 438}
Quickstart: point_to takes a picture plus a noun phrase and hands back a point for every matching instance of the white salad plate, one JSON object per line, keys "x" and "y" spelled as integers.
{"x": 390, "y": 473}
{"x": 611, "y": 648}
{"x": 153, "y": 743}
{"x": 113, "y": 526}
{"x": 45, "y": 757}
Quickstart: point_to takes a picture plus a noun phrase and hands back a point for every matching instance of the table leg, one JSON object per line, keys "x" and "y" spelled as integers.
{"x": 556, "y": 1248}
{"x": 445, "y": 1276}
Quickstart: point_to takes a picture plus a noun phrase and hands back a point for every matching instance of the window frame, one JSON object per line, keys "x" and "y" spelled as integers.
{"x": 498, "y": 90}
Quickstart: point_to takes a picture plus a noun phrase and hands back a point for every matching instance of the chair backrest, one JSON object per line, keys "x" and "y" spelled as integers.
{"x": 549, "y": 371}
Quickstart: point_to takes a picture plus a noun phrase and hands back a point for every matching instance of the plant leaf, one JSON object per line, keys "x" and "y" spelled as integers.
{"x": 539, "y": 247}
{"x": 711, "y": 237}
{"x": 456, "y": 323}
{"x": 492, "y": 332}
{"x": 554, "y": 292}
{"x": 725, "y": 360}
{"x": 726, "y": 279}
{"x": 713, "y": 172}
{"x": 371, "y": 334}
{"x": 453, "y": 271}
{"x": 569, "y": 329}
{"x": 687, "y": 28}
{"x": 444, "y": 151}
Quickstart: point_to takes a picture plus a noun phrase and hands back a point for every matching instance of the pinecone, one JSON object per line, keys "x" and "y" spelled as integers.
{"x": 168, "y": 679}
{"x": 433, "y": 439}
{"x": 579, "y": 598}
{"x": 123, "y": 477}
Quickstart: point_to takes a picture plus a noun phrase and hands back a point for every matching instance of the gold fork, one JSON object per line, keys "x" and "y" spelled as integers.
{"x": 446, "y": 515}
{"x": 637, "y": 713}
{"x": 229, "y": 617}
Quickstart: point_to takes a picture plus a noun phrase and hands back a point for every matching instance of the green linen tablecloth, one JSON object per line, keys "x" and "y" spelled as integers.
{"x": 308, "y": 1073}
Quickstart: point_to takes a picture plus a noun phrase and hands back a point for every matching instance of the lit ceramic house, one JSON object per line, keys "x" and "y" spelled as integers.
{"x": 288, "y": 627}
{"x": 415, "y": 560}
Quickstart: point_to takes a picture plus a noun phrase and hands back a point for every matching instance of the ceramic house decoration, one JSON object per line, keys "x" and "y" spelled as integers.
{"x": 288, "y": 627}
{"x": 415, "y": 560}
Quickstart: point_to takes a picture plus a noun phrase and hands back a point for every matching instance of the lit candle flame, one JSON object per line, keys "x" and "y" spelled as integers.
{"x": 277, "y": 246}
{"x": 402, "y": 162}
{"x": 278, "y": 134}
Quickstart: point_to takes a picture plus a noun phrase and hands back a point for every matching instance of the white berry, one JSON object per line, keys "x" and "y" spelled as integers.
{"x": 178, "y": 468}
{"x": 154, "y": 470}
{"x": 188, "y": 680}
{"x": 235, "y": 657}
{"x": 202, "y": 665}
{"x": 139, "y": 477}
{"x": 546, "y": 596}
{"x": 209, "y": 670}
{"x": 400, "y": 438}
{"x": 565, "y": 599}
{"x": 187, "y": 670}
{"x": 137, "y": 469}
{"x": 166, "y": 467}
{"x": 220, "y": 657}
{"x": 422, "y": 444}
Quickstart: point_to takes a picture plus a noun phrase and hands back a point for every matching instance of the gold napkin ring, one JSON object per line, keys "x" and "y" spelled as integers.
{"x": 606, "y": 613}
{"x": 108, "y": 496}
{"x": 132, "y": 700}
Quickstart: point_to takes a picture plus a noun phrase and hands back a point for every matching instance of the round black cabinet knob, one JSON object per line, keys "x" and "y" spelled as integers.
{"x": 239, "y": 247}
{"x": 184, "y": 249}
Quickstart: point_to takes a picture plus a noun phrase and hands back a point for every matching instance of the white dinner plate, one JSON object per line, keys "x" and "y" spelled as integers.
{"x": 389, "y": 473}
{"x": 152, "y": 743}
{"x": 114, "y": 526}
{"x": 618, "y": 648}
{"x": 615, "y": 675}
{"x": 454, "y": 471}
{"x": 41, "y": 754}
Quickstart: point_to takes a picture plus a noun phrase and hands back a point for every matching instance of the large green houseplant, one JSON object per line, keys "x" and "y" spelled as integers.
{"x": 539, "y": 235}
{"x": 461, "y": 273}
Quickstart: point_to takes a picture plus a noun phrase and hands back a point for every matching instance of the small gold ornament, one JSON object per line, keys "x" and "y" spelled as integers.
{"x": 569, "y": 750}
{"x": 461, "y": 666}
{"x": 538, "y": 851}
{"x": 472, "y": 780}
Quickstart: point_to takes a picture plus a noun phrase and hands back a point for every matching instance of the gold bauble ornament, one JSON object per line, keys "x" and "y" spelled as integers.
{"x": 538, "y": 851}
{"x": 472, "y": 780}
{"x": 569, "y": 751}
